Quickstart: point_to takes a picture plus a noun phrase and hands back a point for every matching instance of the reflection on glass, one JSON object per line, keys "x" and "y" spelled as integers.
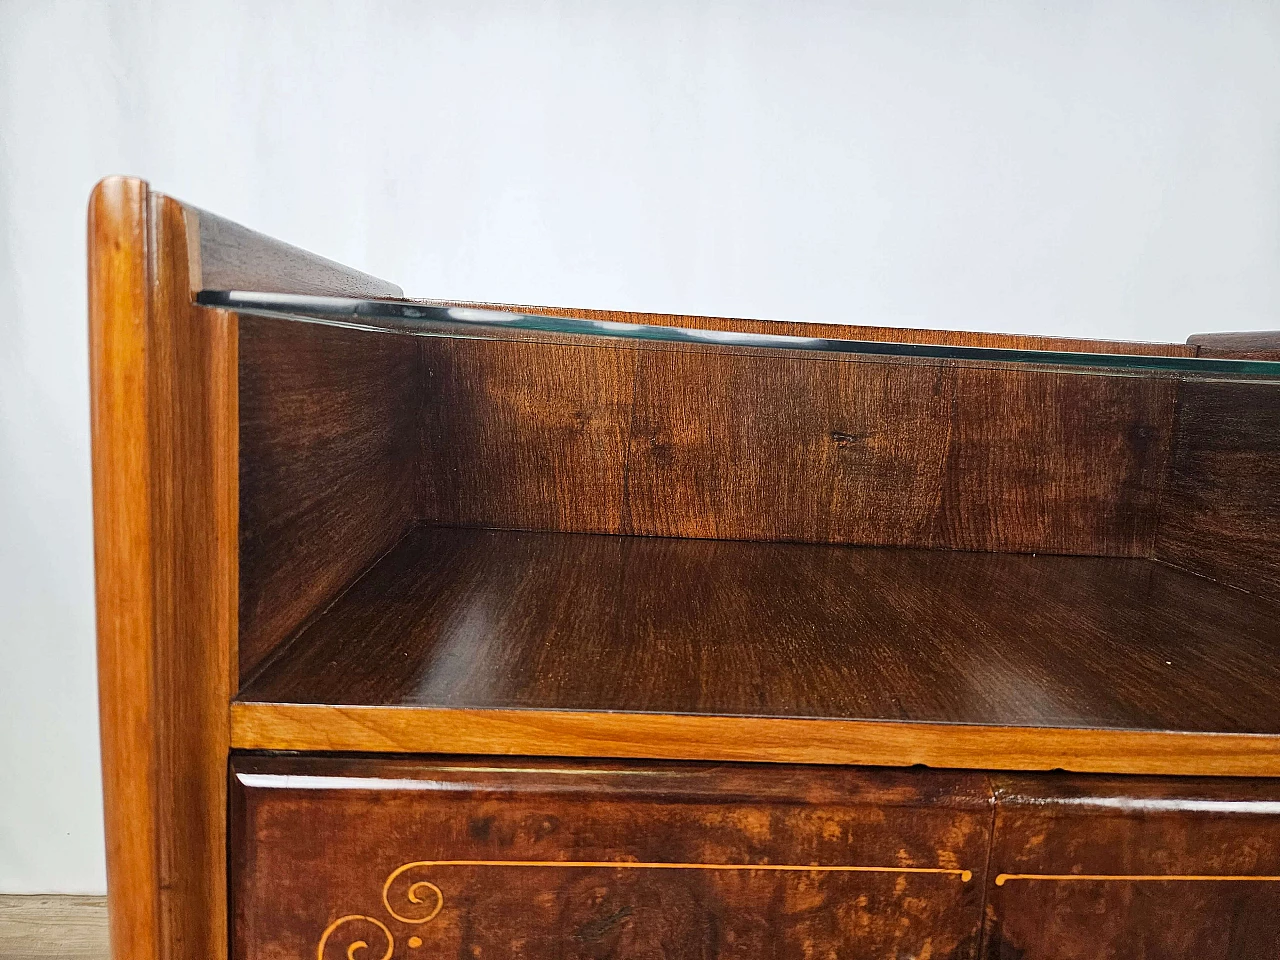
{"x": 423, "y": 319}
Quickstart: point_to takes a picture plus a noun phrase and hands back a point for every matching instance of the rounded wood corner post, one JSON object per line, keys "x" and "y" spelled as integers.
{"x": 165, "y": 499}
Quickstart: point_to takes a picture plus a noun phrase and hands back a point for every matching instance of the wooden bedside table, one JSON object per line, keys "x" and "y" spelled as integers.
{"x": 436, "y": 629}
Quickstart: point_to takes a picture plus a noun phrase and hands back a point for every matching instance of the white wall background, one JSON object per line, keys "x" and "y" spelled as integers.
{"x": 1104, "y": 168}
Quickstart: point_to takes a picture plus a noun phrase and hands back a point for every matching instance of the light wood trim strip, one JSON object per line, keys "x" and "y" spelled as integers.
{"x": 275, "y": 726}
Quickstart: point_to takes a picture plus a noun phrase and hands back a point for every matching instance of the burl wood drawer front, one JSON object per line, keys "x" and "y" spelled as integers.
{"x": 374, "y": 859}
{"x": 1134, "y": 868}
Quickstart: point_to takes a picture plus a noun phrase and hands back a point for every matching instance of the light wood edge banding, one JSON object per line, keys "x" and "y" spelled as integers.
{"x": 375, "y": 729}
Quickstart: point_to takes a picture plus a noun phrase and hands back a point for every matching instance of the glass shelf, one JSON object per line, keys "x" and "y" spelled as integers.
{"x": 431, "y": 320}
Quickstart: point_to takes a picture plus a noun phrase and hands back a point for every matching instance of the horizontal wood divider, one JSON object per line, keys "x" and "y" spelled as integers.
{"x": 562, "y": 733}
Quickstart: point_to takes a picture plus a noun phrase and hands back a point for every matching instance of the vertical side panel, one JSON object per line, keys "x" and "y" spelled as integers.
{"x": 164, "y": 453}
{"x": 193, "y": 436}
{"x": 328, "y": 467}
{"x": 123, "y": 553}
{"x": 1220, "y": 513}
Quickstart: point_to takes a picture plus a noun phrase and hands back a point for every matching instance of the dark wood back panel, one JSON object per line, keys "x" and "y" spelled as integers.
{"x": 526, "y": 435}
{"x": 327, "y": 467}
{"x": 697, "y": 443}
{"x": 1220, "y": 515}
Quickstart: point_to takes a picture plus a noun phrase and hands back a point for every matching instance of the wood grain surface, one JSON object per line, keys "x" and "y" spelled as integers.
{"x": 698, "y": 443}
{"x": 1246, "y": 345}
{"x": 256, "y": 489}
{"x": 543, "y": 859}
{"x": 166, "y": 471}
{"x": 525, "y": 435}
{"x": 1089, "y": 868}
{"x": 740, "y": 447}
{"x": 328, "y": 475}
{"x": 1220, "y": 514}
{"x": 231, "y": 257}
{"x": 164, "y": 451}
{"x": 123, "y": 549}
{"x": 492, "y": 625}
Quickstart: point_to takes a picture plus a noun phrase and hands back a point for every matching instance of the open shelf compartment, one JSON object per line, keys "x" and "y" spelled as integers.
{"x": 464, "y": 533}
{"x": 456, "y": 621}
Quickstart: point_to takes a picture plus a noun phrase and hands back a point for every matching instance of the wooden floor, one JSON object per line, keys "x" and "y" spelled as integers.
{"x": 47, "y": 927}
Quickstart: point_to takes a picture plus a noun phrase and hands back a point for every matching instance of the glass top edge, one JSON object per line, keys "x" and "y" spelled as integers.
{"x": 407, "y": 316}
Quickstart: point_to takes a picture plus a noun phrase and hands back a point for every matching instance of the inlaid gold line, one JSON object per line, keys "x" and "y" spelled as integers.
{"x": 358, "y": 944}
{"x": 964, "y": 875}
{"x": 1003, "y": 878}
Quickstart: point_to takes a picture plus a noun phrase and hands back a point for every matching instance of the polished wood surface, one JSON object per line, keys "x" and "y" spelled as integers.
{"x": 715, "y": 636}
{"x": 543, "y": 859}
{"x": 1220, "y": 514}
{"x": 328, "y": 441}
{"x": 525, "y": 435}
{"x": 164, "y": 449}
{"x": 165, "y": 424}
{"x": 742, "y": 447}
{"x": 118, "y": 292}
{"x": 227, "y": 256}
{"x": 562, "y": 733}
{"x": 1247, "y": 345}
{"x": 1090, "y": 868}
{"x": 258, "y": 487}
{"x": 698, "y": 443}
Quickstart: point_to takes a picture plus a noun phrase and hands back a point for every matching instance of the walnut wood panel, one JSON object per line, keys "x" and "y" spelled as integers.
{"x": 946, "y": 658}
{"x": 696, "y": 443}
{"x": 1220, "y": 514}
{"x": 480, "y": 858}
{"x": 850, "y": 331}
{"x": 896, "y": 454}
{"x": 328, "y": 441}
{"x": 1112, "y": 868}
{"x": 1249, "y": 345}
{"x": 164, "y": 453}
{"x": 232, "y": 257}
{"x": 522, "y": 435}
